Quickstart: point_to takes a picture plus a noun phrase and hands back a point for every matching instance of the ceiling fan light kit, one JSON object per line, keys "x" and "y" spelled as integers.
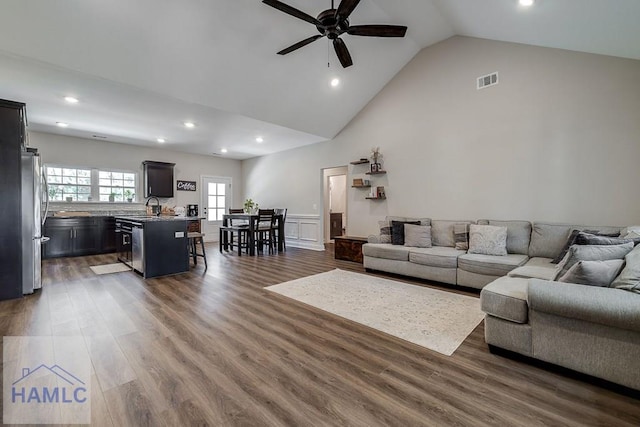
{"x": 332, "y": 23}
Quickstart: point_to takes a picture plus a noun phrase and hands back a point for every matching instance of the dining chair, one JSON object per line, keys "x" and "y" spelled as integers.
{"x": 235, "y": 226}
{"x": 264, "y": 228}
{"x": 283, "y": 212}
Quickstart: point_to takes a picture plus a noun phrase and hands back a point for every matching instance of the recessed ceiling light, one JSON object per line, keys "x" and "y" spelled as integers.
{"x": 62, "y": 124}
{"x": 335, "y": 82}
{"x": 160, "y": 140}
{"x": 526, "y": 2}
{"x": 189, "y": 124}
{"x": 224, "y": 150}
{"x": 259, "y": 139}
{"x": 71, "y": 99}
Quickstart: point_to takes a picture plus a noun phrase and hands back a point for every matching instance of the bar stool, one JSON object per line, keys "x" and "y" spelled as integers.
{"x": 194, "y": 239}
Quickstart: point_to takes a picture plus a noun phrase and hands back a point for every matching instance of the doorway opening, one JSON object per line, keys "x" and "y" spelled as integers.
{"x": 335, "y": 202}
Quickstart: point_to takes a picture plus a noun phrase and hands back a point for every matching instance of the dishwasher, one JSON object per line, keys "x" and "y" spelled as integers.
{"x": 137, "y": 246}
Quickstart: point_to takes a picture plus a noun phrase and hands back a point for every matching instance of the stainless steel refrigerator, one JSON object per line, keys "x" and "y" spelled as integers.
{"x": 35, "y": 203}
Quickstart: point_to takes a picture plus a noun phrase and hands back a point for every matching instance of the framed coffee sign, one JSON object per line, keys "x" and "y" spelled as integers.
{"x": 186, "y": 186}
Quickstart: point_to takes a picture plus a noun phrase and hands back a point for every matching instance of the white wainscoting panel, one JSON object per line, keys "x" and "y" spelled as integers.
{"x": 304, "y": 231}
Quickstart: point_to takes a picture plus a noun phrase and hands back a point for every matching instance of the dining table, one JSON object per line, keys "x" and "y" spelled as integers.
{"x": 252, "y": 221}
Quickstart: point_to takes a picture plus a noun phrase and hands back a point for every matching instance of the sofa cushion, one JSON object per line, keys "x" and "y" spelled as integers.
{"x": 629, "y": 278}
{"x": 547, "y": 240}
{"x": 442, "y": 232}
{"x": 495, "y": 265}
{"x": 487, "y": 240}
{"x": 437, "y": 256}
{"x": 593, "y": 273}
{"x": 591, "y": 253}
{"x": 418, "y": 236}
{"x": 506, "y": 298}
{"x": 518, "y": 234}
{"x": 386, "y": 250}
{"x": 539, "y": 268}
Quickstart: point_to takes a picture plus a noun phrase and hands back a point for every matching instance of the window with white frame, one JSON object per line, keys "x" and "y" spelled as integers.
{"x": 83, "y": 184}
{"x": 65, "y": 183}
{"x": 120, "y": 185}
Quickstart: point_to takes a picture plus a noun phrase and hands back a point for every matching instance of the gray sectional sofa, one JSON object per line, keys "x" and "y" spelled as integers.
{"x": 589, "y": 329}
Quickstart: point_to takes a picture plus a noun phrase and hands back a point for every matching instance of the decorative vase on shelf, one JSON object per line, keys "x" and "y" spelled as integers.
{"x": 376, "y": 158}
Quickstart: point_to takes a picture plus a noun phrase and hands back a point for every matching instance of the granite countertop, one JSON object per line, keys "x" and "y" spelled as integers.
{"x": 154, "y": 218}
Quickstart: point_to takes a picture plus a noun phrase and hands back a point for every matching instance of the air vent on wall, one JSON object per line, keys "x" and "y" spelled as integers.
{"x": 488, "y": 80}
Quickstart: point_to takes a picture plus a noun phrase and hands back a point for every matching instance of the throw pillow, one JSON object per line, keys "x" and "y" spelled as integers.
{"x": 635, "y": 229}
{"x": 461, "y": 236}
{"x": 418, "y": 236}
{"x": 397, "y": 231}
{"x": 571, "y": 240}
{"x": 385, "y": 231}
{"x": 593, "y": 273}
{"x": 487, "y": 240}
{"x": 591, "y": 253}
{"x": 629, "y": 278}
{"x": 594, "y": 239}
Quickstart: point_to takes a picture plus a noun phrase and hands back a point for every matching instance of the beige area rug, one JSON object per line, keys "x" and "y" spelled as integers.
{"x": 118, "y": 267}
{"x": 434, "y": 319}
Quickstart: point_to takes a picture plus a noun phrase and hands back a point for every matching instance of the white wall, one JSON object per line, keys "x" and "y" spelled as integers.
{"x": 62, "y": 150}
{"x": 558, "y": 139}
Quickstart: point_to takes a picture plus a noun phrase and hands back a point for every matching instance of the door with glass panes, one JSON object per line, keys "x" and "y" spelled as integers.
{"x": 215, "y": 202}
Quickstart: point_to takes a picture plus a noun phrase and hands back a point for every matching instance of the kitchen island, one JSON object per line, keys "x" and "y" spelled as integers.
{"x": 153, "y": 245}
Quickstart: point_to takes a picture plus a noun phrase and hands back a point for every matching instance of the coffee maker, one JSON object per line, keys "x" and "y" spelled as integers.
{"x": 192, "y": 210}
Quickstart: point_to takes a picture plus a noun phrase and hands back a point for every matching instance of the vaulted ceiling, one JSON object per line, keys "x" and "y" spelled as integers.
{"x": 141, "y": 68}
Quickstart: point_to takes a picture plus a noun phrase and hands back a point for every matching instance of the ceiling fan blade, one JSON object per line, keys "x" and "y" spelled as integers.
{"x": 377, "y": 30}
{"x": 292, "y": 11}
{"x": 342, "y": 52}
{"x": 299, "y": 44}
{"x": 346, "y": 7}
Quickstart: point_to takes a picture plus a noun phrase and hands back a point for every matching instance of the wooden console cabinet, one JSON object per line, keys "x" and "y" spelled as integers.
{"x": 349, "y": 248}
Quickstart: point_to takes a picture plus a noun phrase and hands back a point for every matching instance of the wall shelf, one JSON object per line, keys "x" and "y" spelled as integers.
{"x": 360, "y": 162}
{"x": 361, "y": 186}
{"x": 376, "y": 198}
{"x": 376, "y": 173}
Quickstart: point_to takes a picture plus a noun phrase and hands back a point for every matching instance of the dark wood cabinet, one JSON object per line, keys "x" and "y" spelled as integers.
{"x": 108, "y": 244}
{"x": 349, "y": 248}
{"x": 60, "y": 237}
{"x": 158, "y": 179}
{"x": 79, "y": 236}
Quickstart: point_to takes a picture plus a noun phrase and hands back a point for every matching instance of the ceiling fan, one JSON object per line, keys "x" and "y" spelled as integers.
{"x": 334, "y": 22}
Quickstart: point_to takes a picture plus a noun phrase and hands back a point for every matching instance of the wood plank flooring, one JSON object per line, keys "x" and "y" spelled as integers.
{"x": 214, "y": 348}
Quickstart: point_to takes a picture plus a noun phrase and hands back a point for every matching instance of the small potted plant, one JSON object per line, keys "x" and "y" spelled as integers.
{"x": 52, "y": 193}
{"x": 112, "y": 197}
{"x": 129, "y": 195}
{"x": 250, "y": 207}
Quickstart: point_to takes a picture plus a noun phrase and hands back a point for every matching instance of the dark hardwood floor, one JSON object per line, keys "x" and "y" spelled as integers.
{"x": 216, "y": 349}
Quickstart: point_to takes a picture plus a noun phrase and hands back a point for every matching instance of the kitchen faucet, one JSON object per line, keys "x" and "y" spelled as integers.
{"x": 157, "y": 204}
